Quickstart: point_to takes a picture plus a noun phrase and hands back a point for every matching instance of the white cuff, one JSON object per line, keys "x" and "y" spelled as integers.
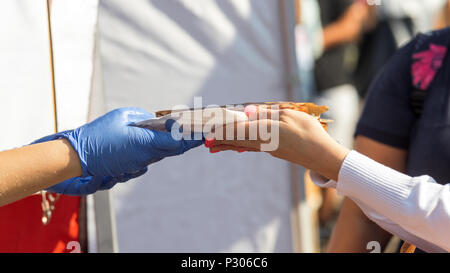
{"x": 371, "y": 182}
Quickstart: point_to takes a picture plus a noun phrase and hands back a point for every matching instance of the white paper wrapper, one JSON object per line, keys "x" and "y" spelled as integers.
{"x": 195, "y": 121}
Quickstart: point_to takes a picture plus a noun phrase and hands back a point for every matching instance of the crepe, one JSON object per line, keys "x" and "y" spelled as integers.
{"x": 306, "y": 107}
{"x": 309, "y": 108}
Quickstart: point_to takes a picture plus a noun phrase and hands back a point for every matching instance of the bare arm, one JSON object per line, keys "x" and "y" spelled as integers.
{"x": 443, "y": 19}
{"x": 297, "y": 7}
{"x": 353, "y": 229}
{"x": 358, "y": 18}
{"x": 26, "y": 170}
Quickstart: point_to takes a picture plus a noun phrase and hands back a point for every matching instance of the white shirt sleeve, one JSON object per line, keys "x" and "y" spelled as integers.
{"x": 416, "y": 209}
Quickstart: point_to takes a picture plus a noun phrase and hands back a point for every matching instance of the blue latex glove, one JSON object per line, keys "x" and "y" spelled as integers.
{"x": 110, "y": 151}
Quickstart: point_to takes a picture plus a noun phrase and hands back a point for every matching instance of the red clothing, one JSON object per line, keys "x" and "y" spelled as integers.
{"x": 21, "y": 229}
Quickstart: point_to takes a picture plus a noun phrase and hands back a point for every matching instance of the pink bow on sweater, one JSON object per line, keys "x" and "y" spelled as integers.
{"x": 426, "y": 65}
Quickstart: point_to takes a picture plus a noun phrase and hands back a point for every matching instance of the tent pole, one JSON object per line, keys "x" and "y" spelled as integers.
{"x": 105, "y": 220}
{"x": 52, "y": 67}
{"x": 301, "y": 222}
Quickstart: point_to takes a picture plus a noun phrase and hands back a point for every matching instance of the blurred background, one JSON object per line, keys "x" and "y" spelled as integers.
{"x": 156, "y": 54}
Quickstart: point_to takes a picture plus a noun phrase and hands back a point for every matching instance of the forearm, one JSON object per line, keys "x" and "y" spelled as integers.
{"x": 365, "y": 230}
{"x": 353, "y": 231}
{"x": 349, "y": 27}
{"x": 337, "y": 34}
{"x": 333, "y": 156}
{"x": 26, "y": 170}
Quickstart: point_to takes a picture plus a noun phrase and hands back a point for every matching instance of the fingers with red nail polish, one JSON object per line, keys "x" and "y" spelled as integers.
{"x": 209, "y": 143}
{"x": 238, "y": 149}
{"x": 250, "y": 110}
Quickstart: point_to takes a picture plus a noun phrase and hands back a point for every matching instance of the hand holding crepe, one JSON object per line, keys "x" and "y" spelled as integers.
{"x": 302, "y": 137}
{"x": 203, "y": 120}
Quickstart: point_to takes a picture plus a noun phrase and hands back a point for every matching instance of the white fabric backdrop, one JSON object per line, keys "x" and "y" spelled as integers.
{"x": 156, "y": 54}
{"x": 26, "y": 107}
{"x": 26, "y": 111}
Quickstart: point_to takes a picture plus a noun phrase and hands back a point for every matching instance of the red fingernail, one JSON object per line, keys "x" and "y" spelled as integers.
{"x": 250, "y": 110}
{"x": 209, "y": 143}
{"x": 241, "y": 151}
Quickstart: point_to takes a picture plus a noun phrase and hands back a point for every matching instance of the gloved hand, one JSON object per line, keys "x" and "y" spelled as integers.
{"x": 110, "y": 151}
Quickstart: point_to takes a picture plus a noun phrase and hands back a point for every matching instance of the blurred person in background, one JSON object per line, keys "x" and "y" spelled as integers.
{"x": 309, "y": 44}
{"x": 324, "y": 34}
{"x": 404, "y": 125}
{"x": 398, "y": 22}
{"x": 377, "y": 27}
{"x": 444, "y": 18}
{"x": 344, "y": 22}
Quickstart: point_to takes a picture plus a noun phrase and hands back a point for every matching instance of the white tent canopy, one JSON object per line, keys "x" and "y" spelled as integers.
{"x": 156, "y": 54}
{"x": 26, "y": 111}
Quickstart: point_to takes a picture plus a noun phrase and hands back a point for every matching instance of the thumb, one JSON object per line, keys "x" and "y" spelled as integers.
{"x": 189, "y": 144}
{"x": 168, "y": 146}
